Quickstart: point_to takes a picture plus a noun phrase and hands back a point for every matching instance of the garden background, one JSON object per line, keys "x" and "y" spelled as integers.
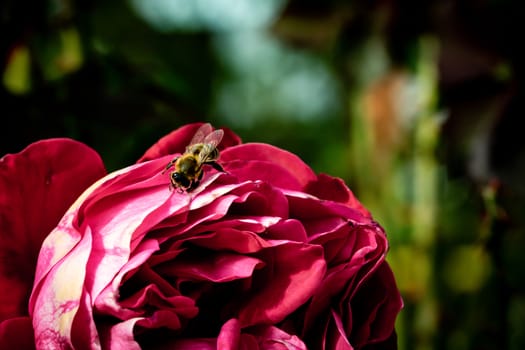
{"x": 415, "y": 104}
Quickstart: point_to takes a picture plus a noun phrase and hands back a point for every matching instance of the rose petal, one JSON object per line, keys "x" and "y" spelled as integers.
{"x": 37, "y": 185}
{"x": 255, "y": 224}
{"x": 164, "y": 317}
{"x": 191, "y": 344}
{"x": 214, "y": 211}
{"x": 17, "y": 333}
{"x": 349, "y": 242}
{"x": 369, "y": 248}
{"x": 84, "y": 333}
{"x": 107, "y": 299}
{"x": 233, "y": 337}
{"x": 229, "y": 337}
{"x": 176, "y": 142}
{"x": 295, "y": 271}
{"x": 263, "y": 200}
{"x": 215, "y": 204}
{"x": 338, "y": 338}
{"x": 290, "y": 229}
{"x": 375, "y": 307}
{"x": 218, "y": 267}
{"x": 257, "y": 161}
{"x": 320, "y": 216}
{"x": 56, "y": 299}
{"x": 250, "y": 170}
{"x": 334, "y": 189}
{"x": 132, "y": 178}
{"x": 273, "y": 338}
{"x": 231, "y": 239}
{"x": 339, "y": 244}
{"x": 118, "y": 219}
{"x": 119, "y": 336}
{"x": 73, "y": 249}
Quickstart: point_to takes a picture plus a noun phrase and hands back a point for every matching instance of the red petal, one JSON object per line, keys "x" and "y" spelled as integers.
{"x": 177, "y": 140}
{"x": 337, "y": 338}
{"x": 332, "y": 188}
{"x": 231, "y": 239}
{"x": 367, "y": 254}
{"x": 220, "y": 267}
{"x": 375, "y": 307}
{"x": 318, "y": 216}
{"x": 230, "y": 335}
{"x": 37, "y": 185}
{"x": 119, "y": 336}
{"x": 273, "y": 338}
{"x": 258, "y": 161}
{"x": 17, "y": 333}
{"x": 295, "y": 271}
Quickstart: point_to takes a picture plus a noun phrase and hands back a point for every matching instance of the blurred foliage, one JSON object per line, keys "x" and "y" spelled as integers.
{"x": 417, "y": 105}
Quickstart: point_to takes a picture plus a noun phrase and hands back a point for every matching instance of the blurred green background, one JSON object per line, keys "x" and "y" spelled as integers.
{"x": 417, "y": 105}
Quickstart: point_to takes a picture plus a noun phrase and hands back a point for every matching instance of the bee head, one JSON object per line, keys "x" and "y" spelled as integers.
{"x": 180, "y": 180}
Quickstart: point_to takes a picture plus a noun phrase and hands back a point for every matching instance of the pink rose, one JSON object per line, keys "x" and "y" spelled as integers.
{"x": 266, "y": 255}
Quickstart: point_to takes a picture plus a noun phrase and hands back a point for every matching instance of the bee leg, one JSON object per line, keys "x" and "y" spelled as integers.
{"x": 193, "y": 185}
{"x": 170, "y": 164}
{"x": 172, "y": 186}
{"x": 217, "y": 166}
{"x": 195, "y": 182}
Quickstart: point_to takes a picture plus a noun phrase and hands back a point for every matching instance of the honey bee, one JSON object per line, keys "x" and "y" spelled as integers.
{"x": 188, "y": 167}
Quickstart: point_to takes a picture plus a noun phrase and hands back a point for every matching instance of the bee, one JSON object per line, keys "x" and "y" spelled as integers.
{"x": 188, "y": 167}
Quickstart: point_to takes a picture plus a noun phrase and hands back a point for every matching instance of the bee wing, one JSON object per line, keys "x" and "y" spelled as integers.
{"x": 209, "y": 151}
{"x": 214, "y": 137}
{"x": 202, "y": 132}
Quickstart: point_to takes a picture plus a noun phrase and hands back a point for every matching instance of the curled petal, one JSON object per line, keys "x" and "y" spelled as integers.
{"x": 53, "y": 306}
{"x": 375, "y": 308}
{"x": 337, "y": 338}
{"x": 257, "y": 161}
{"x": 334, "y": 189}
{"x": 367, "y": 249}
{"x": 119, "y": 336}
{"x": 289, "y": 229}
{"x": 233, "y": 337}
{"x": 229, "y": 238}
{"x": 295, "y": 271}
{"x": 230, "y": 335}
{"x": 273, "y": 338}
{"x": 217, "y": 268}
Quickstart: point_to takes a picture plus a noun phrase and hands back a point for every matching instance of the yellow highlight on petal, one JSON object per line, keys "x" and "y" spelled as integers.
{"x": 17, "y": 73}
{"x": 65, "y": 321}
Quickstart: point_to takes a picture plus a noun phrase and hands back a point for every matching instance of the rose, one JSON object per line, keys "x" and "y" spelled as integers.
{"x": 265, "y": 255}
